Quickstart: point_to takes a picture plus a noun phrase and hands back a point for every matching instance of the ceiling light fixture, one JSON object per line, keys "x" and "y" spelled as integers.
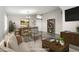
{"x": 38, "y": 16}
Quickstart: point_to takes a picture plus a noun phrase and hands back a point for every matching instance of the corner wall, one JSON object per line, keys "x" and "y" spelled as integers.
{"x": 2, "y": 22}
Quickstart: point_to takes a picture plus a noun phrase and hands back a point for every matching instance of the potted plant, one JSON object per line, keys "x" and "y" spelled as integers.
{"x": 11, "y": 26}
{"x": 61, "y": 40}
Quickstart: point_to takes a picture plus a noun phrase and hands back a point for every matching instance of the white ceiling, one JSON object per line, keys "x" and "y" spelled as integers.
{"x": 66, "y": 7}
{"x": 29, "y": 10}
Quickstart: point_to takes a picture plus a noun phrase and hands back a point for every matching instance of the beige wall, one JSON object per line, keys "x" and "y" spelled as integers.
{"x": 71, "y": 25}
{"x": 57, "y": 15}
{"x": 17, "y": 18}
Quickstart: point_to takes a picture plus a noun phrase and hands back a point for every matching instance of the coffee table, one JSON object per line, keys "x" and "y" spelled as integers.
{"x": 54, "y": 46}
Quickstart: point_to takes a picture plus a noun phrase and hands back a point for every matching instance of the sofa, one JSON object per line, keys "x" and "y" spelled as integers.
{"x": 10, "y": 44}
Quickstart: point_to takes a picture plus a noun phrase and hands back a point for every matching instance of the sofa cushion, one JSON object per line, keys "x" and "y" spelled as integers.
{"x": 4, "y": 42}
{"x": 13, "y": 43}
{"x": 5, "y": 49}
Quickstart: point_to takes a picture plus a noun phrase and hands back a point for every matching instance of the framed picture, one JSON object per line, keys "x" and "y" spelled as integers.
{"x": 24, "y": 22}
